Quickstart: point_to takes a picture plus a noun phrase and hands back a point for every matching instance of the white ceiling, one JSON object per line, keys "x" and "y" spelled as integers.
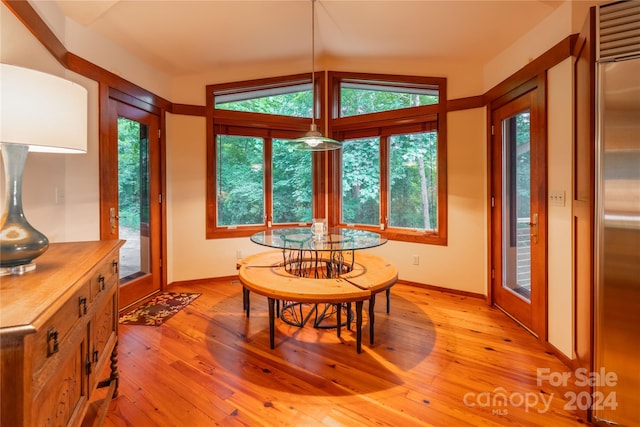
{"x": 183, "y": 37}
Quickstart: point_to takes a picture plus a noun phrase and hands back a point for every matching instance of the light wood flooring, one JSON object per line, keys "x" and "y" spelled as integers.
{"x": 438, "y": 359}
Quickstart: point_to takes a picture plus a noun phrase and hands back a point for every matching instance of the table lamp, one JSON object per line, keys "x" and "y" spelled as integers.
{"x": 38, "y": 112}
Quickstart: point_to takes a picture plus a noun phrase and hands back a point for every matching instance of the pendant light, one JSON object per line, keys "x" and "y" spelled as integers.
{"x": 313, "y": 140}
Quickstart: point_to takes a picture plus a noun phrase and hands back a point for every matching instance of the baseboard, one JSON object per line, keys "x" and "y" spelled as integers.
{"x": 404, "y": 282}
{"x": 441, "y": 289}
{"x": 566, "y": 360}
{"x": 202, "y": 281}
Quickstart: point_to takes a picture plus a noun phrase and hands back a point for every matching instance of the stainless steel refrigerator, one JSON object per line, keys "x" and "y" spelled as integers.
{"x": 616, "y": 375}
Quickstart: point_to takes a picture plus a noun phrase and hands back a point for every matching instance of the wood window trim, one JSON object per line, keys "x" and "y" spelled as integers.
{"x": 396, "y": 80}
{"x": 395, "y": 233}
{"x": 267, "y": 126}
{"x": 246, "y": 230}
{"x": 396, "y": 121}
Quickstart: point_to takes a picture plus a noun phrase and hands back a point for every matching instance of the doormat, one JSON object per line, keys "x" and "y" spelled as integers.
{"x": 159, "y": 309}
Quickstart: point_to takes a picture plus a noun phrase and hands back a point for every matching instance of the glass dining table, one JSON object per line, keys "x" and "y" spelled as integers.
{"x": 319, "y": 256}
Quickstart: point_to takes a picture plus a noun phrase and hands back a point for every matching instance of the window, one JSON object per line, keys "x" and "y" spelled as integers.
{"x": 361, "y": 181}
{"x": 393, "y": 162}
{"x": 255, "y": 178}
{"x": 291, "y": 184}
{"x": 390, "y": 174}
{"x": 240, "y": 160}
{"x": 360, "y": 96}
{"x": 292, "y": 98}
{"x": 242, "y": 180}
{"x": 413, "y": 181}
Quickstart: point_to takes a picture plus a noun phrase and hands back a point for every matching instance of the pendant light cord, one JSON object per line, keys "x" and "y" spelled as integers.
{"x": 313, "y": 64}
{"x": 313, "y": 139}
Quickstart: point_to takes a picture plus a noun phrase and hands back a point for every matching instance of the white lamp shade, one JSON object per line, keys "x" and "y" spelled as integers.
{"x": 45, "y": 112}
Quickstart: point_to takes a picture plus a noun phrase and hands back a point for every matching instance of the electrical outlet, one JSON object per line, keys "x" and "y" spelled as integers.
{"x": 239, "y": 254}
{"x": 416, "y": 260}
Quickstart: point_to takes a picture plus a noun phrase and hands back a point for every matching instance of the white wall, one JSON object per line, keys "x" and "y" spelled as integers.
{"x": 547, "y": 34}
{"x": 93, "y": 47}
{"x": 560, "y": 218}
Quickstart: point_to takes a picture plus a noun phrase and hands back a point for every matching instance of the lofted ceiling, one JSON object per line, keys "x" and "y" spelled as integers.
{"x": 182, "y": 37}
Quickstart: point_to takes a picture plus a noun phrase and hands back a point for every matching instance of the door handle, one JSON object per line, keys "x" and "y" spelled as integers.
{"x": 113, "y": 220}
{"x": 534, "y": 228}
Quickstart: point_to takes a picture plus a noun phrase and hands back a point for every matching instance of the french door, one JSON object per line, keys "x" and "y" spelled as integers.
{"x": 130, "y": 198}
{"x": 518, "y": 216}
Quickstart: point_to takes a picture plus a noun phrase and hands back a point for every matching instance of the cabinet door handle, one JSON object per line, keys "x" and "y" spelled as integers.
{"x": 82, "y": 302}
{"x": 114, "y": 264}
{"x": 53, "y": 346}
{"x": 101, "y": 282}
{"x": 87, "y": 365}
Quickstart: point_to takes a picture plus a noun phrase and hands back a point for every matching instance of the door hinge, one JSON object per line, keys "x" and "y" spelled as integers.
{"x": 493, "y": 202}
{"x": 159, "y": 133}
{"x": 492, "y": 130}
{"x": 493, "y": 274}
{"x": 160, "y": 198}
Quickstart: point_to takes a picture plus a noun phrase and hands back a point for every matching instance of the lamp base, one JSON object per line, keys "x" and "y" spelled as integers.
{"x": 20, "y": 243}
{"x": 17, "y": 270}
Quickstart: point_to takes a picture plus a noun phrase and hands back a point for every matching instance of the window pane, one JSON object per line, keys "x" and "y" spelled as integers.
{"x": 361, "y": 181}
{"x": 292, "y": 188}
{"x": 413, "y": 181}
{"x": 296, "y": 103}
{"x": 359, "y": 100}
{"x": 516, "y": 206}
{"x": 133, "y": 197}
{"x": 240, "y": 179}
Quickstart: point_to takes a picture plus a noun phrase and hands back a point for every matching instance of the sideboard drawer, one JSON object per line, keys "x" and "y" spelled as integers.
{"x": 106, "y": 275}
{"x": 51, "y": 337}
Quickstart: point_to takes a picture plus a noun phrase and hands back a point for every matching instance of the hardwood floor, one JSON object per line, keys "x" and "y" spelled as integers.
{"x": 439, "y": 359}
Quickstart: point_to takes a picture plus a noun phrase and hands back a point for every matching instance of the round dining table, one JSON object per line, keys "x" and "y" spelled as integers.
{"x": 318, "y": 255}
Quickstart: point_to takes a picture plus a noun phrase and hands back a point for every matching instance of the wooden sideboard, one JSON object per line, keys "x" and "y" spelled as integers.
{"x": 58, "y": 334}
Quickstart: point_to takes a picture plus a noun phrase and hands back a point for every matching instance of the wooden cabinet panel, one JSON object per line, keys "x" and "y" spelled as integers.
{"x": 65, "y": 392}
{"x": 103, "y": 334}
{"x": 58, "y": 328}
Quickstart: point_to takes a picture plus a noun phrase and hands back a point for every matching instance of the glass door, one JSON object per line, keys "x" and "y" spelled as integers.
{"x": 130, "y": 198}
{"x": 518, "y": 194}
{"x": 518, "y": 222}
{"x": 133, "y": 198}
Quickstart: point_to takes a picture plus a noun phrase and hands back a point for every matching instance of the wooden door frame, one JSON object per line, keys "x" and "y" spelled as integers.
{"x": 109, "y": 95}
{"x": 539, "y": 110}
{"x": 584, "y": 80}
